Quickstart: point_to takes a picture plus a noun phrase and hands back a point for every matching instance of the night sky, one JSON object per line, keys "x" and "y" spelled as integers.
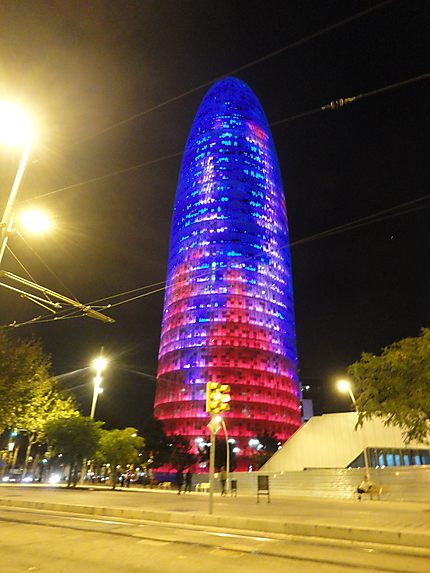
{"x": 80, "y": 68}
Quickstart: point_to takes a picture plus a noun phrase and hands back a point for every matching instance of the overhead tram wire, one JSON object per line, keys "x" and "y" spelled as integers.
{"x": 364, "y": 221}
{"x": 45, "y": 264}
{"x": 203, "y": 85}
{"x": 377, "y": 217}
{"x": 337, "y": 104}
{"x": 246, "y": 66}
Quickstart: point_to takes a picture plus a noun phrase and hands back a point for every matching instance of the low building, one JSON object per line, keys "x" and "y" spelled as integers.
{"x": 331, "y": 441}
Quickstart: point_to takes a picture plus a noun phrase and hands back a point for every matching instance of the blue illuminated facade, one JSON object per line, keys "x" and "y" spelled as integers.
{"x": 228, "y": 311}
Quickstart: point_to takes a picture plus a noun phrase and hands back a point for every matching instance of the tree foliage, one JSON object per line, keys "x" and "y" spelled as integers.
{"x": 395, "y": 386}
{"x": 181, "y": 455}
{"x": 269, "y": 444}
{"x": 119, "y": 448}
{"x": 157, "y": 449}
{"x": 75, "y": 438}
{"x": 23, "y": 368}
{"x": 29, "y": 396}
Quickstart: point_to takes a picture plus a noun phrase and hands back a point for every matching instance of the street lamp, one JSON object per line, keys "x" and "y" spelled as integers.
{"x": 99, "y": 364}
{"x": 34, "y": 221}
{"x": 345, "y": 386}
{"x": 15, "y": 130}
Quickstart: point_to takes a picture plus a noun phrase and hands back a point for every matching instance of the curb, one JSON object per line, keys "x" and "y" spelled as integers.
{"x": 362, "y": 534}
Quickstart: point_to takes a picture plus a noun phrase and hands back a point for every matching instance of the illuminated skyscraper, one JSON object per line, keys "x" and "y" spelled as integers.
{"x": 228, "y": 310}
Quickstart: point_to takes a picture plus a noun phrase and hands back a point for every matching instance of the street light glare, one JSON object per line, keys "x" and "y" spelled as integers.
{"x": 344, "y": 385}
{"x": 15, "y": 126}
{"x": 34, "y": 221}
{"x": 100, "y": 363}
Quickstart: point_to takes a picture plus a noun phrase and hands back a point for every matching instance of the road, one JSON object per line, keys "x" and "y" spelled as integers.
{"x": 55, "y": 542}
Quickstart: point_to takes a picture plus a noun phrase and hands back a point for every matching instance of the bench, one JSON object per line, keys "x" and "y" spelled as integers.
{"x": 204, "y": 487}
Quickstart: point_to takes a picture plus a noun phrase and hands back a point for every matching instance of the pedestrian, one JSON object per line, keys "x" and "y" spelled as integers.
{"x": 127, "y": 479}
{"x": 364, "y": 487}
{"x": 150, "y": 475}
{"x": 179, "y": 479}
{"x": 188, "y": 480}
{"x": 223, "y": 480}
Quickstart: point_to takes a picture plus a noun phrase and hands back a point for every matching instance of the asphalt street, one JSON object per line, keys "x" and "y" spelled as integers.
{"x": 53, "y": 542}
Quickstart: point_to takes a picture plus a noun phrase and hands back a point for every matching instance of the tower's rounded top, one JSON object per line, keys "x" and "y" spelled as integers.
{"x": 231, "y": 97}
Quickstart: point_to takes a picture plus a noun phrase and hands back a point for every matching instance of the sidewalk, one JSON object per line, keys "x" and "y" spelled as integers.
{"x": 393, "y": 523}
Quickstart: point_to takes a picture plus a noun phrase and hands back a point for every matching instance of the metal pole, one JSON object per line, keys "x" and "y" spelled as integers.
{"x": 211, "y": 470}
{"x": 97, "y": 384}
{"x": 363, "y": 441}
{"x": 7, "y": 219}
{"x": 227, "y": 454}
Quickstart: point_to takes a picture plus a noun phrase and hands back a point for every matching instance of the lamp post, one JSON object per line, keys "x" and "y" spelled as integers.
{"x": 227, "y": 452}
{"x": 15, "y": 129}
{"x": 345, "y": 386}
{"x": 99, "y": 364}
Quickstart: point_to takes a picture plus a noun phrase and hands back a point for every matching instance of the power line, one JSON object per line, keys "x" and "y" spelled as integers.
{"x": 53, "y": 273}
{"x": 246, "y": 66}
{"x": 384, "y": 214}
{"x": 333, "y": 105}
{"x": 364, "y": 221}
{"x": 342, "y": 102}
{"x": 107, "y": 175}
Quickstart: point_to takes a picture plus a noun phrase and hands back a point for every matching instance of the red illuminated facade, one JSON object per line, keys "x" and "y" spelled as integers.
{"x": 228, "y": 312}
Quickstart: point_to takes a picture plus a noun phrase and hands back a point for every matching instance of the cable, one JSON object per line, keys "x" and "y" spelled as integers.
{"x": 358, "y": 223}
{"x": 295, "y": 44}
{"x": 21, "y": 264}
{"x": 333, "y": 105}
{"x": 342, "y": 102}
{"x": 106, "y": 176}
{"x": 362, "y": 221}
{"x": 126, "y": 292}
{"x": 36, "y": 254}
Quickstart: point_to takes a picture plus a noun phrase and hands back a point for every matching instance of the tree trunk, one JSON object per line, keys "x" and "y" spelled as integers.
{"x": 35, "y": 463}
{"x": 69, "y": 478}
{"x": 15, "y": 457}
{"x": 32, "y": 439}
{"x": 114, "y": 478}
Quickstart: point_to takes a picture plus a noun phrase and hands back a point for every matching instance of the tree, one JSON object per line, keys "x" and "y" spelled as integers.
{"x": 75, "y": 438}
{"x": 157, "y": 449}
{"x": 23, "y": 367}
{"x": 120, "y": 447}
{"x": 268, "y": 446}
{"x": 44, "y": 403}
{"x": 395, "y": 386}
{"x": 181, "y": 456}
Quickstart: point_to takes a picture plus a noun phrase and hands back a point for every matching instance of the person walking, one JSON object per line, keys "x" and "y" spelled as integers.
{"x": 179, "y": 479}
{"x": 223, "y": 480}
{"x": 188, "y": 480}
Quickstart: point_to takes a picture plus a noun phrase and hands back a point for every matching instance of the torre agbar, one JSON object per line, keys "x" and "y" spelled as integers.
{"x": 228, "y": 311}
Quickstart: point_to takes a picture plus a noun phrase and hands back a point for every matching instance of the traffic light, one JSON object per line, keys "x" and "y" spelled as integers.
{"x": 217, "y": 398}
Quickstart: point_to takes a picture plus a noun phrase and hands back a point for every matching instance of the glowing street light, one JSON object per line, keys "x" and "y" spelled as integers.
{"x": 99, "y": 364}
{"x": 15, "y": 130}
{"x": 345, "y": 386}
{"x": 34, "y": 221}
{"x": 15, "y": 125}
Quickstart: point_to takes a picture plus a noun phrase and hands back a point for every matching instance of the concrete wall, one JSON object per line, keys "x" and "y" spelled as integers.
{"x": 400, "y": 484}
{"x": 331, "y": 441}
